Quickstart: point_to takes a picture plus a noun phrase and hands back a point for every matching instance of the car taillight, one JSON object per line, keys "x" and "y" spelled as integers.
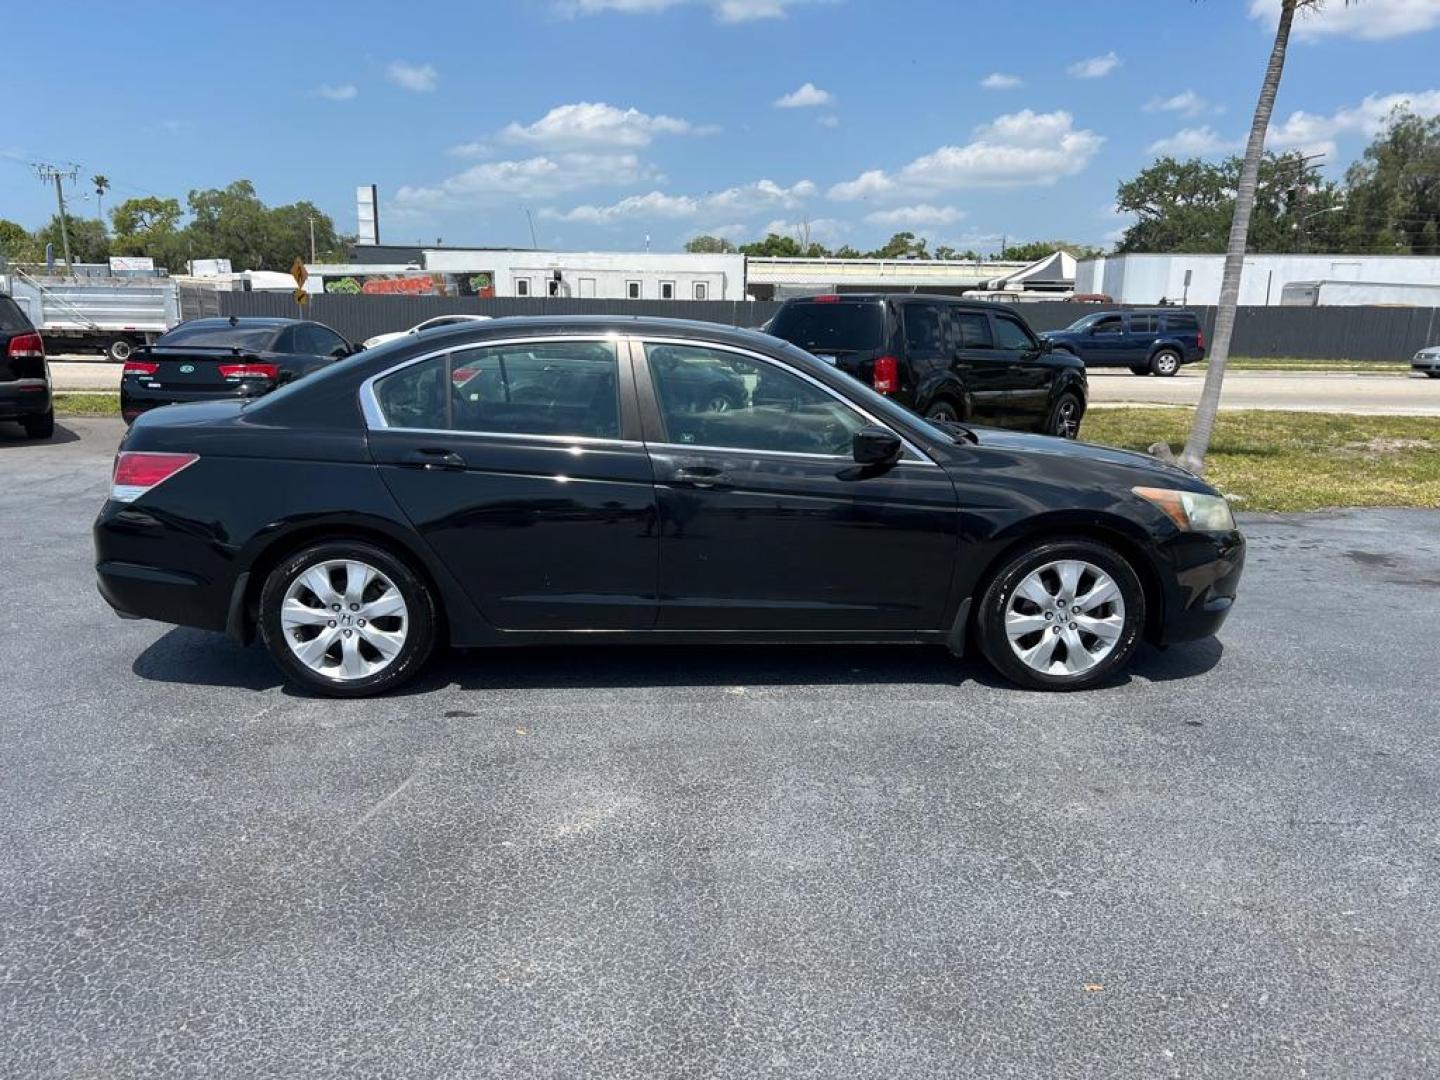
{"x": 1200, "y": 338}
{"x": 249, "y": 371}
{"x": 137, "y": 471}
{"x": 140, "y": 367}
{"x": 827, "y": 298}
{"x": 27, "y": 345}
{"x": 886, "y": 379}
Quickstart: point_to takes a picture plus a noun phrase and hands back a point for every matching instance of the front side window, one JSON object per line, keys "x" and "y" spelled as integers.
{"x": 532, "y": 388}
{"x": 1011, "y": 336}
{"x": 710, "y": 397}
{"x": 1109, "y": 324}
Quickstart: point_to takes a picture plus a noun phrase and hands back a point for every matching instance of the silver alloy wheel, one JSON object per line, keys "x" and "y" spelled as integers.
{"x": 344, "y": 619}
{"x": 1167, "y": 364}
{"x": 1065, "y": 617}
{"x": 1067, "y": 419}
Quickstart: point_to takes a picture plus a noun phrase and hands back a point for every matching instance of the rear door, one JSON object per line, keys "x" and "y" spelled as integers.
{"x": 521, "y": 465}
{"x": 985, "y": 370}
{"x": 1142, "y": 329}
{"x": 768, "y": 524}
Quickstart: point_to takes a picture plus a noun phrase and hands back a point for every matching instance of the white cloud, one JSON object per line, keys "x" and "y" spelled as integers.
{"x": 726, "y": 11}
{"x": 734, "y": 201}
{"x": 917, "y": 216}
{"x": 807, "y": 97}
{"x": 1195, "y": 142}
{"x": 1186, "y": 103}
{"x": 475, "y": 149}
{"x": 828, "y": 121}
{"x": 342, "y": 92}
{"x": 1014, "y": 150}
{"x": 997, "y": 80}
{"x": 1311, "y": 133}
{"x": 417, "y": 78}
{"x": 587, "y": 123}
{"x": 1094, "y": 67}
{"x": 539, "y": 177}
{"x": 1372, "y": 20}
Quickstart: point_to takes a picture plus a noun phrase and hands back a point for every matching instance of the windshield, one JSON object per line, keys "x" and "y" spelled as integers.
{"x": 234, "y": 337}
{"x": 829, "y": 327}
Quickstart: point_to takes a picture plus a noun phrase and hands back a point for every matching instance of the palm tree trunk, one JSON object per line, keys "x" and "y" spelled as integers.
{"x": 1204, "y": 424}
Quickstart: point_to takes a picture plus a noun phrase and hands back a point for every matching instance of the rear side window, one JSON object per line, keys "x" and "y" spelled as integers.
{"x": 922, "y": 330}
{"x": 11, "y": 317}
{"x": 535, "y": 388}
{"x": 831, "y": 327}
{"x": 1183, "y": 322}
{"x": 1143, "y": 324}
{"x": 973, "y": 330}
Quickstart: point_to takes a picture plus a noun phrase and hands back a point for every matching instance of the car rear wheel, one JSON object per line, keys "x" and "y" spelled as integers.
{"x": 1065, "y": 615}
{"x": 1064, "y": 420}
{"x": 40, "y": 427}
{"x": 1165, "y": 363}
{"x": 942, "y": 411}
{"x": 347, "y": 619}
{"x": 1139, "y": 369}
{"x": 120, "y": 350}
{"x": 1433, "y": 374}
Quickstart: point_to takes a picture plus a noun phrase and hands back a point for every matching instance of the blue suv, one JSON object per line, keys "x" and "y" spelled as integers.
{"x": 1155, "y": 341}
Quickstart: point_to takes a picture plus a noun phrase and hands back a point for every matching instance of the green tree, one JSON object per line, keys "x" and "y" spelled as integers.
{"x": 709, "y": 245}
{"x": 1392, "y": 194}
{"x": 101, "y": 183}
{"x": 231, "y": 223}
{"x": 151, "y": 226}
{"x": 16, "y": 242}
{"x": 902, "y": 245}
{"x": 1038, "y": 249}
{"x": 949, "y": 254}
{"x": 89, "y": 241}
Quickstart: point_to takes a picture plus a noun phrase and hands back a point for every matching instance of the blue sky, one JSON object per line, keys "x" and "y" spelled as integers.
{"x": 611, "y": 120}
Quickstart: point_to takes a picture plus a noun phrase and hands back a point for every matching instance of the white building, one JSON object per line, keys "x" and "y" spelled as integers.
{"x": 777, "y": 277}
{"x": 1195, "y": 279}
{"x": 602, "y": 275}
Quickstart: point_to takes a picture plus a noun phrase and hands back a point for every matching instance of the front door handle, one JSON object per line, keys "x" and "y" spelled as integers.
{"x": 434, "y": 458}
{"x": 700, "y": 476}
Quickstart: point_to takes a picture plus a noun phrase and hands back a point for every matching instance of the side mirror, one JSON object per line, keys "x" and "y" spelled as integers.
{"x": 876, "y": 446}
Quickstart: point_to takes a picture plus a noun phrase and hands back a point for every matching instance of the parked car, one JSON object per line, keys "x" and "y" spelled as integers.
{"x": 356, "y": 518}
{"x": 236, "y": 357}
{"x": 420, "y": 328}
{"x": 24, "y": 375}
{"x": 948, "y": 359}
{"x": 1428, "y": 361}
{"x": 1150, "y": 341}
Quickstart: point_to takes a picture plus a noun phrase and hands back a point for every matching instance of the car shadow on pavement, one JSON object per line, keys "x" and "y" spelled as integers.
{"x": 14, "y": 435}
{"x": 197, "y": 658}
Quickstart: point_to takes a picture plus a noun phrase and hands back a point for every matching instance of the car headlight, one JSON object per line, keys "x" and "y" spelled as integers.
{"x": 1190, "y": 510}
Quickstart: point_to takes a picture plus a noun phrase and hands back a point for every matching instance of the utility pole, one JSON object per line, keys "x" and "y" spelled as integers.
{"x": 313, "y": 260}
{"x": 1306, "y": 162}
{"x": 53, "y": 173}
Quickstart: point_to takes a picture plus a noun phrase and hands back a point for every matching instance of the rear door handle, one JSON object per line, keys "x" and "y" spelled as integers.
{"x": 700, "y": 476}
{"x": 434, "y": 458}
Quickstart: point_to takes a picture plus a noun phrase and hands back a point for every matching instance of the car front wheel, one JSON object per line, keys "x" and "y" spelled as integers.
{"x": 1064, "y": 615}
{"x": 347, "y": 619}
{"x": 40, "y": 427}
{"x": 942, "y": 412}
{"x": 1064, "y": 420}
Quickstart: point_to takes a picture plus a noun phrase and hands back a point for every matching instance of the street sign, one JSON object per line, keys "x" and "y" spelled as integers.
{"x": 298, "y": 271}
{"x": 302, "y": 297}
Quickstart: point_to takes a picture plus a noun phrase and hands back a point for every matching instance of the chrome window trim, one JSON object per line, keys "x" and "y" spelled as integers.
{"x": 375, "y": 418}
{"x": 921, "y": 458}
{"x": 744, "y": 450}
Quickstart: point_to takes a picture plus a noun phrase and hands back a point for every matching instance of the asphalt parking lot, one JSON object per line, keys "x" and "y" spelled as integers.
{"x": 859, "y": 862}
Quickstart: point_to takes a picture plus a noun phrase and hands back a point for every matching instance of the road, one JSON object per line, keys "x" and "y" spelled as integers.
{"x": 722, "y": 862}
{"x": 1395, "y": 394}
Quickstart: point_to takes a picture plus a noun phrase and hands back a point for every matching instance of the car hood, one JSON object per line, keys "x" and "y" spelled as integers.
{"x": 1138, "y": 468}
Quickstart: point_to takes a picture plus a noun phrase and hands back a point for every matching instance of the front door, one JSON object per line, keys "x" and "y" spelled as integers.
{"x": 767, "y": 523}
{"x": 513, "y": 462}
{"x": 1030, "y": 375}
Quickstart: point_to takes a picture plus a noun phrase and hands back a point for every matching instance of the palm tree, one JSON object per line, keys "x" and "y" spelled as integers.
{"x": 1198, "y": 444}
{"x": 102, "y": 185}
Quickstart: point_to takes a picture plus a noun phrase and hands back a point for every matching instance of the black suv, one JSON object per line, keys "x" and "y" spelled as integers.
{"x": 1149, "y": 341}
{"x": 24, "y": 375}
{"x": 945, "y": 358}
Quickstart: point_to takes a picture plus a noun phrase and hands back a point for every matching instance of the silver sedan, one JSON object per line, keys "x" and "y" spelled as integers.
{"x": 1428, "y": 361}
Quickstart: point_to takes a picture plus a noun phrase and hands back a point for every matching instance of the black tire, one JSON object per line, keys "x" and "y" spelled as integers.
{"x": 1064, "y": 419}
{"x": 120, "y": 350}
{"x": 1165, "y": 363}
{"x": 41, "y": 426}
{"x": 1432, "y": 374}
{"x": 943, "y": 411}
{"x": 995, "y": 601}
{"x": 422, "y": 619}
{"x": 1139, "y": 369}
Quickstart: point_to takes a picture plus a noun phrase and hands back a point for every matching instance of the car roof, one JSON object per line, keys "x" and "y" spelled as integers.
{"x": 257, "y": 321}
{"x": 599, "y": 324}
{"x": 901, "y": 298}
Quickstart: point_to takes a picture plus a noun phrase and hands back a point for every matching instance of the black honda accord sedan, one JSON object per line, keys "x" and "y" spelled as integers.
{"x": 545, "y": 480}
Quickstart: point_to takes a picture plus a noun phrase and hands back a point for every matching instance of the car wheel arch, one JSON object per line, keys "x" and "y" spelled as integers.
{"x": 1111, "y": 530}
{"x": 279, "y": 546}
